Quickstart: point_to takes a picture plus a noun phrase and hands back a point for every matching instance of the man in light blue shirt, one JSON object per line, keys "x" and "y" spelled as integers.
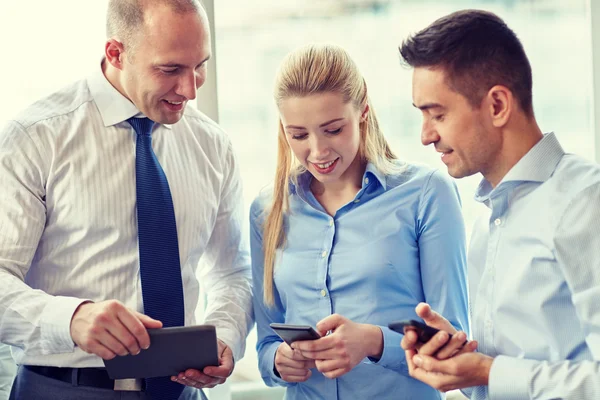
{"x": 534, "y": 273}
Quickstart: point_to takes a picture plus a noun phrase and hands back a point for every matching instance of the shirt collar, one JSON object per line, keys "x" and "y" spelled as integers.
{"x": 537, "y": 165}
{"x": 305, "y": 178}
{"x": 114, "y": 108}
{"x": 372, "y": 171}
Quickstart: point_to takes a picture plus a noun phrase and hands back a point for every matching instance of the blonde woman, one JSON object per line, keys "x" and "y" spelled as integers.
{"x": 348, "y": 239}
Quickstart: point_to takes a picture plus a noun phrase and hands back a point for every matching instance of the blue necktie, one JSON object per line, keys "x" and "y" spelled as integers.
{"x": 160, "y": 269}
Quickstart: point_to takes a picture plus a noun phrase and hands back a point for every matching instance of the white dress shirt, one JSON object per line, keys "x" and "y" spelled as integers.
{"x": 7, "y": 371}
{"x": 534, "y": 277}
{"x": 68, "y": 224}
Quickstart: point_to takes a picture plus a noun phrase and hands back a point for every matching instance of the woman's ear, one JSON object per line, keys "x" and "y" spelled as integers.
{"x": 501, "y": 103}
{"x": 365, "y": 112}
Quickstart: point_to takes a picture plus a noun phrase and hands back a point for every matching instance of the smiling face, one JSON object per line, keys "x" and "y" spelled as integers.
{"x": 461, "y": 133}
{"x": 324, "y": 135}
{"x": 168, "y": 64}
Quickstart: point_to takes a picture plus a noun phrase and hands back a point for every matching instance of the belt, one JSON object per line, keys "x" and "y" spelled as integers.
{"x": 95, "y": 377}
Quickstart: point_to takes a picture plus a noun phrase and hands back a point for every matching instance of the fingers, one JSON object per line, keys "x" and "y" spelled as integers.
{"x": 284, "y": 350}
{"x": 470, "y": 347}
{"x": 433, "y": 319}
{"x": 291, "y": 365}
{"x": 148, "y": 322}
{"x": 112, "y": 343}
{"x": 438, "y": 381}
{"x": 297, "y": 361}
{"x": 330, "y": 323}
{"x": 410, "y": 340}
{"x": 319, "y": 355}
{"x": 197, "y": 379}
{"x": 455, "y": 343}
{"x": 294, "y": 375}
{"x": 409, "y": 354}
{"x": 435, "y": 343}
{"x": 225, "y": 367}
{"x": 106, "y": 349}
{"x": 108, "y": 329}
{"x": 333, "y": 368}
{"x": 431, "y": 364}
{"x": 324, "y": 343}
{"x": 210, "y": 376}
{"x": 130, "y": 331}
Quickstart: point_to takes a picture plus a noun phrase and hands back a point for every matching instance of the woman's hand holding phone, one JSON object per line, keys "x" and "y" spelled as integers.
{"x": 291, "y": 365}
{"x": 347, "y": 345}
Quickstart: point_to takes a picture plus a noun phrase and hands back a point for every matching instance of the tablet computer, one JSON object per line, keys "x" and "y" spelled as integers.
{"x": 172, "y": 350}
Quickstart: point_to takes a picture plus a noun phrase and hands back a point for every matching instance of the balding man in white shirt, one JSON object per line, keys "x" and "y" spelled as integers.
{"x": 71, "y": 292}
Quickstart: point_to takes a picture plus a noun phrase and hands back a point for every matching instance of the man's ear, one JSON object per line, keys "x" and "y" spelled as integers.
{"x": 500, "y": 103}
{"x": 114, "y": 53}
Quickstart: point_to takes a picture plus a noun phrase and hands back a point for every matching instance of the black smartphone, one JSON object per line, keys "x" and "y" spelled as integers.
{"x": 424, "y": 332}
{"x": 293, "y": 333}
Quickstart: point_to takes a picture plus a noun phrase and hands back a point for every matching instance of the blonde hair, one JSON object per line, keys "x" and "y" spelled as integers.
{"x": 309, "y": 70}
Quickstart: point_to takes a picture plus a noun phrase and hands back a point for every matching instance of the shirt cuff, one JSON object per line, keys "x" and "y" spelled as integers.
{"x": 509, "y": 378}
{"x": 393, "y": 356}
{"x": 55, "y": 324}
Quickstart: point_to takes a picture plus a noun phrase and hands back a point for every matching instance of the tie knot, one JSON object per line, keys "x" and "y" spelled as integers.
{"x": 142, "y": 126}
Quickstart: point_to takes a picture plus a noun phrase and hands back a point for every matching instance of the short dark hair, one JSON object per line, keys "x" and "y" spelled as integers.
{"x": 476, "y": 50}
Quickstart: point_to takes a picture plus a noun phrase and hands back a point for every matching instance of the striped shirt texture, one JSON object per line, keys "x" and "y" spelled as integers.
{"x": 68, "y": 224}
{"x": 534, "y": 278}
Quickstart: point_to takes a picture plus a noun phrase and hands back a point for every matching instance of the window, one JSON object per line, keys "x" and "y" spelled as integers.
{"x": 47, "y": 45}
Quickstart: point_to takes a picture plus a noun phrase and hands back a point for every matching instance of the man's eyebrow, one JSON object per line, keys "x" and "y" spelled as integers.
{"x": 428, "y": 106}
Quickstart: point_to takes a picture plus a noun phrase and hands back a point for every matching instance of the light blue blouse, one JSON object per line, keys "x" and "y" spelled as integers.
{"x": 401, "y": 241}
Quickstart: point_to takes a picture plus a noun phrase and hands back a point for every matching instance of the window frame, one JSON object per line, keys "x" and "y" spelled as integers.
{"x": 594, "y": 21}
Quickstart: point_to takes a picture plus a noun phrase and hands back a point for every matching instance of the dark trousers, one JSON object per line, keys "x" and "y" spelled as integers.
{"x": 31, "y": 386}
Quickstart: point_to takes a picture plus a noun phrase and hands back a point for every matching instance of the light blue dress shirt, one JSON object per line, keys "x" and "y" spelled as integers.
{"x": 399, "y": 242}
{"x": 534, "y": 278}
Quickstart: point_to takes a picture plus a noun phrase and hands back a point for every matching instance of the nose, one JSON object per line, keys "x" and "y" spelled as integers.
{"x": 319, "y": 147}
{"x": 188, "y": 85}
{"x": 429, "y": 134}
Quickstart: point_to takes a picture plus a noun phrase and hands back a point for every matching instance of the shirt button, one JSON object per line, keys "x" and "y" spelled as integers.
{"x": 357, "y": 200}
{"x": 330, "y": 222}
{"x": 324, "y": 254}
{"x": 366, "y": 181}
{"x": 497, "y": 221}
{"x": 323, "y": 293}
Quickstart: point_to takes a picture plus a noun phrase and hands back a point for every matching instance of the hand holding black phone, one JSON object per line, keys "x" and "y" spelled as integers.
{"x": 424, "y": 332}
{"x": 293, "y": 333}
